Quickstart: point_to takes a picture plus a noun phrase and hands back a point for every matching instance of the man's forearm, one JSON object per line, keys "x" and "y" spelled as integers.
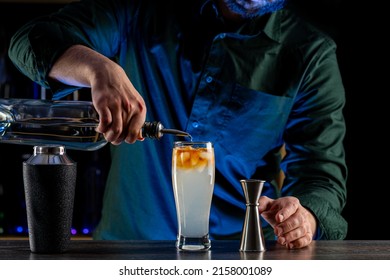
{"x": 79, "y": 66}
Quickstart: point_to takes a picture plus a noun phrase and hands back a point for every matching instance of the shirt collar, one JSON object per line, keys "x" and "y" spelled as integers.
{"x": 209, "y": 9}
{"x": 270, "y": 24}
{"x": 273, "y": 26}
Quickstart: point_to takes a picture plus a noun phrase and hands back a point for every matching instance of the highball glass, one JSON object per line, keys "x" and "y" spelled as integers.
{"x": 193, "y": 174}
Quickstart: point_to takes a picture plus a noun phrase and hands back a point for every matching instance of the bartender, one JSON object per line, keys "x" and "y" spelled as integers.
{"x": 250, "y": 76}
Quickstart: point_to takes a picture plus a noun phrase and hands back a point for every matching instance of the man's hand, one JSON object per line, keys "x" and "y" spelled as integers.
{"x": 293, "y": 224}
{"x": 121, "y": 108}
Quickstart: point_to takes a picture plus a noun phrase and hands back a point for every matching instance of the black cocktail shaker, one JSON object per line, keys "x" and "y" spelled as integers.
{"x": 49, "y": 177}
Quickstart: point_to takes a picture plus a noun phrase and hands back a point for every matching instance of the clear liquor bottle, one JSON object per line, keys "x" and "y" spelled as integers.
{"x": 68, "y": 123}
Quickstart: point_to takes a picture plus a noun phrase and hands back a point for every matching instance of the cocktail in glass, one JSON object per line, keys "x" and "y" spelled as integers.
{"x": 193, "y": 174}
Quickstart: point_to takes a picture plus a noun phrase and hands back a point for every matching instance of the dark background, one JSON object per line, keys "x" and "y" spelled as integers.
{"x": 360, "y": 33}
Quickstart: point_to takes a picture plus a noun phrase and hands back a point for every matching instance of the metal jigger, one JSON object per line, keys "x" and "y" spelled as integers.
{"x": 252, "y": 239}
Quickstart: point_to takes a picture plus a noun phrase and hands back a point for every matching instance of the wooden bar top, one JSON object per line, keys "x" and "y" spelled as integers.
{"x": 221, "y": 250}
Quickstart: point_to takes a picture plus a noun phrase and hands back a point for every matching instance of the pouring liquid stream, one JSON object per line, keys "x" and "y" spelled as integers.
{"x": 176, "y": 132}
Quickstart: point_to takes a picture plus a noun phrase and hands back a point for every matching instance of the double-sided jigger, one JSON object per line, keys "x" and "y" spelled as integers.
{"x": 252, "y": 239}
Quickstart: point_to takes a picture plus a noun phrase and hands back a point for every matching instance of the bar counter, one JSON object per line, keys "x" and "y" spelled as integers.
{"x": 220, "y": 250}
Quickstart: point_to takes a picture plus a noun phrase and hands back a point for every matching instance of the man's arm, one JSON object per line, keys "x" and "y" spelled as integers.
{"x": 120, "y": 107}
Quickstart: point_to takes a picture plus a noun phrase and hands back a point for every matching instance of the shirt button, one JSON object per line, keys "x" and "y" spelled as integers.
{"x": 209, "y": 79}
{"x": 195, "y": 124}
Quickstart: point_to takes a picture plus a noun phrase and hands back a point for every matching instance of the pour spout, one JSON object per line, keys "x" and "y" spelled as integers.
{"x": 157, "y": 130}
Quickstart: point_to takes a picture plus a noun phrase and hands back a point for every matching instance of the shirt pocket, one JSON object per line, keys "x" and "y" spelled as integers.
{"x": 249, "y": 124}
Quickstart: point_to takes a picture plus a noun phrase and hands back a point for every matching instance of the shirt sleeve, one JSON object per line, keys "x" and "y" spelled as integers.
{"x": 315, "y": 165}
{"x": 98, "y": 24}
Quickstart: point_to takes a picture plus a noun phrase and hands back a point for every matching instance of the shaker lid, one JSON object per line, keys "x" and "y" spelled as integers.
{"x": 49, "y": 154}
{"x": 49, "y": 149}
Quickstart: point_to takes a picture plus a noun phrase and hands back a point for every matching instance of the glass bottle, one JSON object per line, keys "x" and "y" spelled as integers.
{"x": 69, "y": 123}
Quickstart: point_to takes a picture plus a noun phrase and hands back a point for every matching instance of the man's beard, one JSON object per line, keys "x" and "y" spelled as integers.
{"x": 260, "y": 8}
